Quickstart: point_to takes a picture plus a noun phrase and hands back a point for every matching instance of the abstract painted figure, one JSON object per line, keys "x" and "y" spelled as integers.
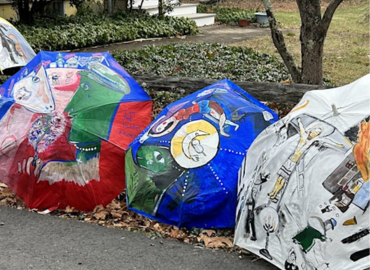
{"x": 311, "y": 135}
{"x": 211, "y": 109}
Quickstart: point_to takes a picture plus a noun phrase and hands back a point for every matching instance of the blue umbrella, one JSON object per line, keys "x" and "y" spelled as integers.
{"x": 183, "y": 168}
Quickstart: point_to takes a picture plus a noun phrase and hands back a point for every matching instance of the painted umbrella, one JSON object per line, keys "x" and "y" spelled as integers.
{"x": 66, "y": 120}
{"x": 15, "y": 50}
{"x": 183, "y": 168}
{"x": 304, "y": 185}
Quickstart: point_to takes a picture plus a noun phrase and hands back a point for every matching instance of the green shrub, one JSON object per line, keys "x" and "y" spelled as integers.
{"x": 3, "y": 79}
{"x": 213, "y": 61}
{"x": 228, "y": 15}
{"x": 74, "y": 32}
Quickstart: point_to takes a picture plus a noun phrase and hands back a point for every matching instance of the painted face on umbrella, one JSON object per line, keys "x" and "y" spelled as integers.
{"x": 33, "y": 93}
{"x": 152, "y": 158}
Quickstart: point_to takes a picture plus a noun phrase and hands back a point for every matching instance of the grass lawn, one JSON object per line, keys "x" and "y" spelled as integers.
{"x": 346, "y": 48}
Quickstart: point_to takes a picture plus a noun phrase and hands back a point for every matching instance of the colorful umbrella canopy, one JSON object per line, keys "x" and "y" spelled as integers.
{"x": 304, "y": 185}
{"x": 66, "y": 120}
{"x": 14, "y": 50}
{"x": 183, "y": 168}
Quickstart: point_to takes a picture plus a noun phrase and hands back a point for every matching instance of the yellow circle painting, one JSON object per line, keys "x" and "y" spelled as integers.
{"x": 195, "y": 144}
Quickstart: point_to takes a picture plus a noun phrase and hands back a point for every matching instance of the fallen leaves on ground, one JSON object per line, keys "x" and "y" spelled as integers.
{"x": 212, "y": 241}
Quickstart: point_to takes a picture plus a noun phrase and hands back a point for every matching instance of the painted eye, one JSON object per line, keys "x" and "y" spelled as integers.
{"x": 35, "y": 79}
{"x": 158, "y": 157}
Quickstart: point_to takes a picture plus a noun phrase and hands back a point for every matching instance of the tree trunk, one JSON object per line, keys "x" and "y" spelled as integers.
{"x": 160, "y": 7}
{"x": 313, "y": 33}
{"x": 26, "y": 9}
{"x": 23, "y": 10}
{"x": 312, "y": 41}
{"x": 38, "y": 7}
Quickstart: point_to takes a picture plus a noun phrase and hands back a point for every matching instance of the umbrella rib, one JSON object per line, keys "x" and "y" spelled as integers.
{"x": 163, "y": 192}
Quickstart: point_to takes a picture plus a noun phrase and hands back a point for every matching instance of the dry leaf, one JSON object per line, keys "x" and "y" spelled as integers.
{"x": 121, "y": 225}
{"x": 209, "y": 232}
{"x": 19, "y": 202}
{"x": 98, "y": 208}
{"x": 126, "y": 218}
{"x": 7, "y": 192}
{"x": 118, "y": 225}
{"x": 176, "y": 233}
{"x": 2, "y": 185}
{"x": 220, "y": 241}
{"x": 10, "y": 200}
{"x": 116, "y": 213}
{"x": 181, "y": 37}
{"x": 114, "y": 205}
{"x": 69, "y": 209}
{"x": 158, "y": 228}
{"x": 100, "y": 215}
{"x": 287, "y": 81}
{"x": 212, "y": 242}
{"x": 146, "y": 224}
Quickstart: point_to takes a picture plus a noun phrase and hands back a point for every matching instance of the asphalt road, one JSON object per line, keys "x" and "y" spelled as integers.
{"x": 33, "y": 241}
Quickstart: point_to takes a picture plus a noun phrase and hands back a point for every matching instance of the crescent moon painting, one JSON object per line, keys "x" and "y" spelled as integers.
{"x": 195, "y": 144}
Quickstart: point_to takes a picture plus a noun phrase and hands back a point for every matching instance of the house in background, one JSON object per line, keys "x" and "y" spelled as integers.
{"x": 6, "y": 11}
{"x": 63, "y": 8}
{"x": 60, "y": 7}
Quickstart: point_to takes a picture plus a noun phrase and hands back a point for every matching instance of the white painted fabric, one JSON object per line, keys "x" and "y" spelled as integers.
{"x": 303, "y": 189}
{"x": 14, "y": 49}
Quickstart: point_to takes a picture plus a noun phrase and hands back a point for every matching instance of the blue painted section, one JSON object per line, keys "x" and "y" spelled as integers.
{"x": 202, "y": 196}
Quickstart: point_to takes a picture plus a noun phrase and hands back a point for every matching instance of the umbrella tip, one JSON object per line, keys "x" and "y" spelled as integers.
{"x": 335, "y": 110}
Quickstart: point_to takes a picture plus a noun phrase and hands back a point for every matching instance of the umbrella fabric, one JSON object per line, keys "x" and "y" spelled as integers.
{"x": 14, "y": 49}
{"x": 304, "y": 184}
{"x": 183, "y": 168}
{"x": 66, "y": 120}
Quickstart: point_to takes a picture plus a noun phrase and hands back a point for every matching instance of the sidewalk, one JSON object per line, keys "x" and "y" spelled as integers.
{"x": 209, "y": 34}
{"x": 33, "y": 241}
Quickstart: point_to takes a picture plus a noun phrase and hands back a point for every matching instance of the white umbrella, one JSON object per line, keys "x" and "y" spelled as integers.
{"x": 14, "y": 49}
{"x": 303, "y": 187}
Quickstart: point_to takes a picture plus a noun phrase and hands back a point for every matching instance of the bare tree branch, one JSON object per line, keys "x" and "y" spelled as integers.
{"x": 328, "y": 15}
{"x": 279, "y": 42}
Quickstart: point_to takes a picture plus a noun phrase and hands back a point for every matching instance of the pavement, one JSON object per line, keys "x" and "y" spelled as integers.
{"x": 30, "y": 240}
{"x": 222, "y": 34}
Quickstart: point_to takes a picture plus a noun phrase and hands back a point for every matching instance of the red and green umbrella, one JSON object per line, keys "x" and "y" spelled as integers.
{"x": 66, "y": 120}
